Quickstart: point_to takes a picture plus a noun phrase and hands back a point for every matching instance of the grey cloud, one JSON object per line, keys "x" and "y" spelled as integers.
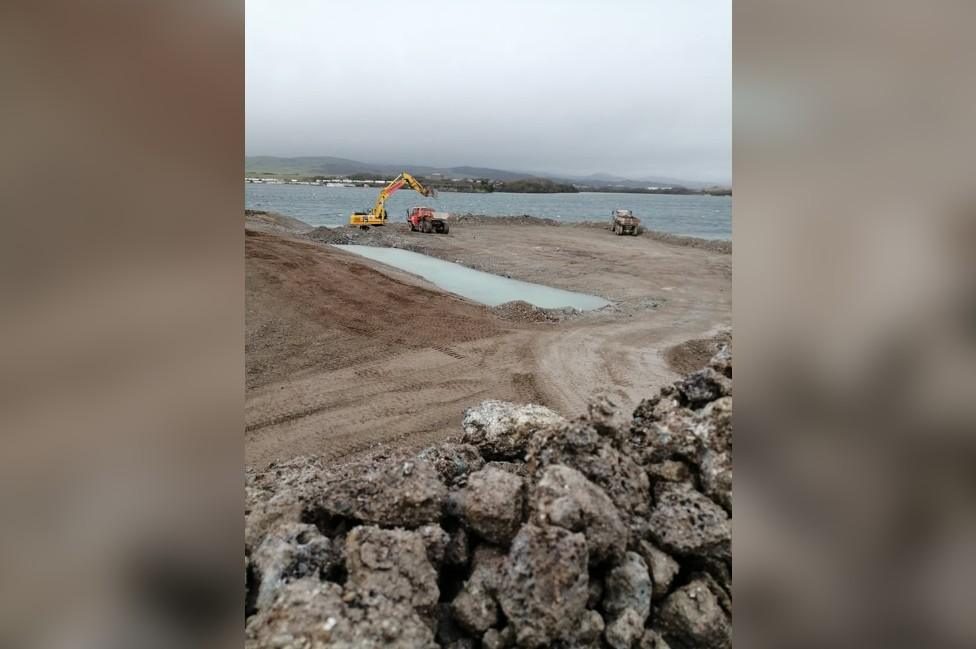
{"x": 629, "y": 88}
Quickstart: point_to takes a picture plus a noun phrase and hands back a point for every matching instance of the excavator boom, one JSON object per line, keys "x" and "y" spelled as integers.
{"x": 377, "y": 216}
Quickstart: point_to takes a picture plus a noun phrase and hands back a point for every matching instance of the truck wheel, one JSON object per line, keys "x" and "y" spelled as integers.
{"x": 445, "y": 228}
{"x": 425, "y": 226}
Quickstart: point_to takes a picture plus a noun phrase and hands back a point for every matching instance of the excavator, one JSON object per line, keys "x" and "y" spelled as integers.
{"x": 377, "y": 216}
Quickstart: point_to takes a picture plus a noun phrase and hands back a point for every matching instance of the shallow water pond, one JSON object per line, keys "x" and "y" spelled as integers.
{"x": 476, "y": 285}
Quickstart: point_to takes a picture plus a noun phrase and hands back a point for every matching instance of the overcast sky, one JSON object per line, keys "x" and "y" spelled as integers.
{"x": 634, "y": 88}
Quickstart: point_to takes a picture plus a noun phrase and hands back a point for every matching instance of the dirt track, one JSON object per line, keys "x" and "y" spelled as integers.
{"x": 344, "y": 354}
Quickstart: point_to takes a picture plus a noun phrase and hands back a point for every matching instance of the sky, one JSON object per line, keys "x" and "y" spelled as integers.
{"x": 631, "y": 88}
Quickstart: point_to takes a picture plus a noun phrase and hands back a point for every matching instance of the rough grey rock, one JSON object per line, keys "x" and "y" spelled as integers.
{"x": 392, "y": 564}
{"x": 517, "y": 468}
{"x": 594, "y": 593}
{"x": 591, "y": 627}
{"x": 703, "y": 386}
{"x": 716, "y": 477}
{"x": 311, "y": 613}
{"x": 663, "y": 429}
{"x": 462, "y": 643}
{"x": 670, "y": 471}
{"x": 580, "y": 446}
{"x": 457, "y": 553}
{"x": 723, "y": 597}
{"x": 544, "y": 587}
{"x": 604, "y": 416}
{"x": 502, "y": 430}
{"x": 652, "y": 640}
{"x": 280, "y": 493}
{"x": 289, "y": 552}
{"x": 447, "y": 628}
{"x": 565, "y": 498}
{"x": 628, "y": 587}
{"x": 721, "y": 362}
{"x": 453, "y": 462}
{"x": 624, "y": 631}
{"x": 404, "y": 493}
{"x": 692, "y": 618}
{"x": 435, "y": 541}
{"x": 498, "y": 639}
{"x": 686, "y": 523}
{"x": 475, "y": 608}
{"x": 492, "y": 504}
{"x": 714, "y": 425}
{"x": 661, "y": 567}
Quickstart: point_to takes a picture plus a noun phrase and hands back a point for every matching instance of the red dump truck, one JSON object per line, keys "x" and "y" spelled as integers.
{"x": 425, "y": 219}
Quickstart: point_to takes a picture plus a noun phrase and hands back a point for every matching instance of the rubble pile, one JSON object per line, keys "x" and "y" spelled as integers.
{"x": 391, "y": 236}
{"x": 529, "y": 531}
{"x": 521, "y": 311}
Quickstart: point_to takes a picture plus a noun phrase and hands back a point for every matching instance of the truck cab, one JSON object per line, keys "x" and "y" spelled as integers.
{"x": 624, "y": 222}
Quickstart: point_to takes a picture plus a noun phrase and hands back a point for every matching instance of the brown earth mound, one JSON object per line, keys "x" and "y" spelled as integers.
{"x": 693, "y": 355}
{"x": 529, "y": 531}
{"x": 310, "y": 306}
{"x": 274, "y": 222}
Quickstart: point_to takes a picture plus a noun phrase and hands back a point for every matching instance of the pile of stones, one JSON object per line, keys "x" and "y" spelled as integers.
{"x": 528, "y": 530}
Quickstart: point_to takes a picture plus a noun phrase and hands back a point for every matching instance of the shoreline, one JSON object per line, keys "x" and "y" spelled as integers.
{"x": 714, "y": 245}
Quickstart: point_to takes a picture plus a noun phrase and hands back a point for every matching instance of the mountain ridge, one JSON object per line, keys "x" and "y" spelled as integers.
{"x": 332, "y": 165}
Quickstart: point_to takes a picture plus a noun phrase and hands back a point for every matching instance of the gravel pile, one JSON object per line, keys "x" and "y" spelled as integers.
{"x": 529, "y": 530}
{"x": 391, "y": 235}
{"x": 521, "y": 311}
{"x": 522, "y": 219}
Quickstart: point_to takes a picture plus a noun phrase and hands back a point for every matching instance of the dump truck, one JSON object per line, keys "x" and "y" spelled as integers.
{"x": 624, "y": 222}
{"x": 377, "y": 215}
{"x": 425, "y": 219}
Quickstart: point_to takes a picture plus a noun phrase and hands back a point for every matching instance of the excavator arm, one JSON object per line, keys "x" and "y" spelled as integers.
{"x": 378, "y": 215}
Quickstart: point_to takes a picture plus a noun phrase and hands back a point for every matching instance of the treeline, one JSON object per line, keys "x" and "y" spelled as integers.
{"x": 535, "y": 186}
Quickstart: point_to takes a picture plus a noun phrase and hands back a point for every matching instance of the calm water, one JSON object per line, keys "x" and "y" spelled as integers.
{"x": 708, "y": 217}
{"x": 477, "y": 285}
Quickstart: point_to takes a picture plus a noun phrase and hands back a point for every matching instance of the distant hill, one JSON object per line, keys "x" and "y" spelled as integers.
{"x": 332, "y": 166}
{"x": 327, "y": 165}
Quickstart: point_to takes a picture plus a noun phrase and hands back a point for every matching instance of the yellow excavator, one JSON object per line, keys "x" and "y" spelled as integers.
{"x": 377, "y": 216}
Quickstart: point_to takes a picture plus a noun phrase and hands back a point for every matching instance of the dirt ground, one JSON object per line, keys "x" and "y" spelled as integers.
{"x": 345, "y": 354}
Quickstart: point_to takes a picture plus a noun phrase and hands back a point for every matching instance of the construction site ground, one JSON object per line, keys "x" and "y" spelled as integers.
{"x": 344, "y": 354}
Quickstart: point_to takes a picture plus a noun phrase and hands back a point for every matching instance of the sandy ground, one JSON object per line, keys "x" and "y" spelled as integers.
{"x": 344, "y": 354}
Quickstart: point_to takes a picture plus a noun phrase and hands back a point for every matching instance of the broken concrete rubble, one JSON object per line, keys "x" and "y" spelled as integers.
{"x": 687, "y": 523}
{"x": 543, "y": 589}
{"x": 501, "y": 430}
{"x": 406, "y": 494}
{"x": 475, "y": 607}
{"x": 492, "y": 504}
{"x": 289, "y": 552}
{"x": 565, "y": 498}
{"x": 662, "y": 569}
{"x": 391, "y": 564}
{"x": 692, "y": 618}
{"x": 535, "y": 531}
